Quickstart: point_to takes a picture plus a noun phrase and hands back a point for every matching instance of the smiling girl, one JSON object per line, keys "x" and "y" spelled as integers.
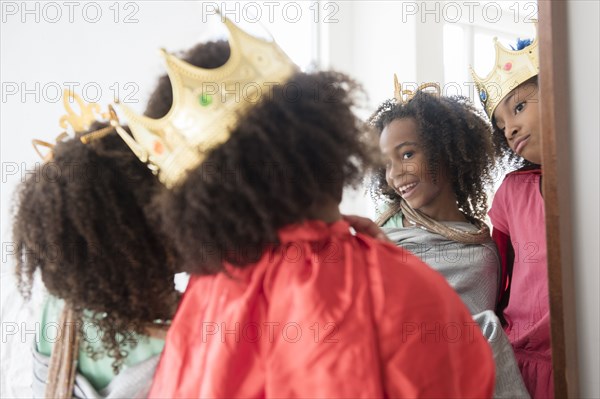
{"x": 439, "y": 156}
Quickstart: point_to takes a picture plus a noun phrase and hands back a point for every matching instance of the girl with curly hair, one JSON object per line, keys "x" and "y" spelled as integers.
{"x": 84, "y": 220}
{"x": 438, "y": 161}
{"x": 284, "y": 299}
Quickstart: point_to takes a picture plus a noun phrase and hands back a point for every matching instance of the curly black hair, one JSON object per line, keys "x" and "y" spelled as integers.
{"x": 453, "y": 133}
{"x": 289, "y": 154}
{"x": 98, "y": 213}
{"x": 505, "y": 155}
{"x": 83, "y": 220}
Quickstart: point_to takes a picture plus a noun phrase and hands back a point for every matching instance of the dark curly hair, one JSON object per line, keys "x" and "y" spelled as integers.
{"x": 289, "y": 154}
{"x": 115, "y": 262}
{"x": 506, "y": 156}
{"x": 453, "y": 133}
{"x": 83, "y": 219}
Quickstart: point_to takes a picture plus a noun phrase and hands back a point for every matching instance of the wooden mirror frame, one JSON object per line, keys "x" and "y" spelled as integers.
{"x": 556, "y": 165}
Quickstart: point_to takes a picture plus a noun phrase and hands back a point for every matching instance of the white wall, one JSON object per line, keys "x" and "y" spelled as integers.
{"x": 584, "y": 67}
{"x": 371, "y": 41}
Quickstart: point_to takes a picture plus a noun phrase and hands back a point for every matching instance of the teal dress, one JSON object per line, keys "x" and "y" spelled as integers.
{"x": 98, "y": 372}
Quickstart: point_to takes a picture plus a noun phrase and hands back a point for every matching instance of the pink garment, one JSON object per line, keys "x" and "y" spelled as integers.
{"x": 325, "y": 315}
{"x": 518, "y": 212}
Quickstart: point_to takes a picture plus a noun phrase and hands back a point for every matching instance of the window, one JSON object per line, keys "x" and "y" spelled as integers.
{"x": 470, "y": 42}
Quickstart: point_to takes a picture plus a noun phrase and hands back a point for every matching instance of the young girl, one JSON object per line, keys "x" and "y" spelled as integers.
{"x": 285, "y": 300}
{"x": 84, "y": 219}
{"x": 439, "y": 157}
{"x": 509, "y": 95}
{"x": 82, "y": 222}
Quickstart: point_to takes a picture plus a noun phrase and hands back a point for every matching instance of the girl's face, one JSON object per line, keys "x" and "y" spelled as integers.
{"x": 518, "y": 117}
{"x": 408, "y": 171}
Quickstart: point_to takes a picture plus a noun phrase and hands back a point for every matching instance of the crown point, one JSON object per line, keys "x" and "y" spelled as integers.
{"x": 397, "y": 89}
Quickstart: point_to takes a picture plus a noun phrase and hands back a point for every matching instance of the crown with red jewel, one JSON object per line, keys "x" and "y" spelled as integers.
{"x": 512, "y": 68}
{"x": 204, "y": 110}
{"x": 206, "y": 107}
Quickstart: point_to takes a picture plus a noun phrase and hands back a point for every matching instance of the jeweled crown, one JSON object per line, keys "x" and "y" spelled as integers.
{"x": 512, "y": 68}
{"x": 207, "y": 103}
{"x": 74, "y": 123}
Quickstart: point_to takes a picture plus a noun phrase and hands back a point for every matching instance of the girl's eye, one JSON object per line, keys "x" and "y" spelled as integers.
{"x": 407, "y": 155}
{"x": 520, "y": 106}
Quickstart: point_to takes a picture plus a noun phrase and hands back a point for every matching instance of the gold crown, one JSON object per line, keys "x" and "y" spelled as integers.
{"x": 510, "y": 70}
{"x": 404, "y": 96}
{"x": 74, "y": 122}
{"x": 207, "y": 104}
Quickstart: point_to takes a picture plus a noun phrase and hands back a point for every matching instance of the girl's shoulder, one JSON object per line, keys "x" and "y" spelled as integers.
{"x": 526, "y": 170}
{"x": 391, "y": 216}
{"x": 394, "y": 221}
{"x": 518, "y": 196}
{"x": 516, "y": 179}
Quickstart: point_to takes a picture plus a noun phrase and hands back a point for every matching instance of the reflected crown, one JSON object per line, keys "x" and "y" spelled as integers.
{"x": 511, "y": 68}
{"x": 207, "y": 104}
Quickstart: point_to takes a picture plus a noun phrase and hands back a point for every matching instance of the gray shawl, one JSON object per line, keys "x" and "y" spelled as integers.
{"x": 473, "y": 270}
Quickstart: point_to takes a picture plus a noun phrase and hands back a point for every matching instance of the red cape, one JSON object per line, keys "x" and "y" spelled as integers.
{"x": 325, "y": 314}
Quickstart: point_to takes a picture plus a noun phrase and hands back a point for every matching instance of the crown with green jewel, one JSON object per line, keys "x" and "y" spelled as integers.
{"x": 206, "y": 104}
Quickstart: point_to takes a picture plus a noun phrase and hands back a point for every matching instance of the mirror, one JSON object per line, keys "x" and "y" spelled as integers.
{"x": 44, "y": 48}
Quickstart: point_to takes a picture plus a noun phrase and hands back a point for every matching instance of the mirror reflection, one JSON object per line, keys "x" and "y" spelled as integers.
{"x": 452, "y": 177}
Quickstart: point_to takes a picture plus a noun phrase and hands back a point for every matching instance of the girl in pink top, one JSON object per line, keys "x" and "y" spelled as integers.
{"x": 517, "y": 213}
